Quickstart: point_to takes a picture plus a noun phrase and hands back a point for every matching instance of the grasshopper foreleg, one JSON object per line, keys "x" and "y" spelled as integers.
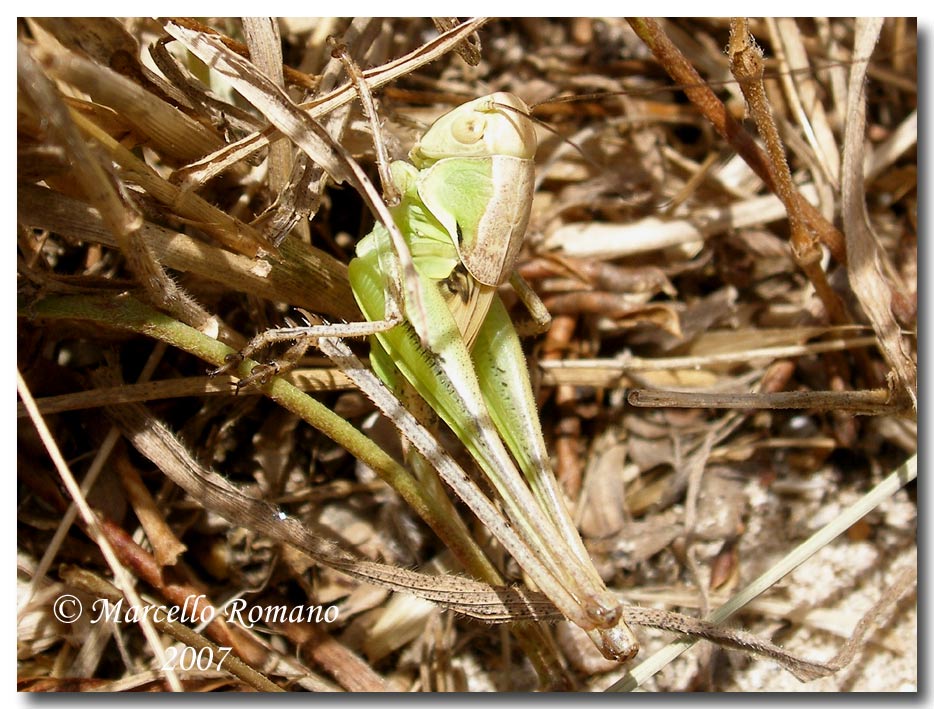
{"x": 304, "y": 336}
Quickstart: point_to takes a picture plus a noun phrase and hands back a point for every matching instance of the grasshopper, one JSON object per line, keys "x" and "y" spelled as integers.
{"x": 466, "y": 201}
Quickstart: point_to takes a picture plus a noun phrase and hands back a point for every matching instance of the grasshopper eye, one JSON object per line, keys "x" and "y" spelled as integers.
{"x": 469, "y": 129}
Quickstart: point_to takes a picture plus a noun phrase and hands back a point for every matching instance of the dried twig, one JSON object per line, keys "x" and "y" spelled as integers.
{"x": 701, "y": 95}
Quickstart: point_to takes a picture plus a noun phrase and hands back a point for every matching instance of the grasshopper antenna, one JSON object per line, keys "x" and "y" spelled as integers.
{"x": 551, "y": 129}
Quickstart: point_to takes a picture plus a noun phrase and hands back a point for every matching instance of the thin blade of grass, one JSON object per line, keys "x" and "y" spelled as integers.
{"x": 903, "y": 475}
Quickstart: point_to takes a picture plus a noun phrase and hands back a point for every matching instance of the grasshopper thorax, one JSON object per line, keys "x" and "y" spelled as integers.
{"x": 476, "y": 177}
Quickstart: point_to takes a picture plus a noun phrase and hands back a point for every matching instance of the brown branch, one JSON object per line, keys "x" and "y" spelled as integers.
{"x": 700, "y": 94}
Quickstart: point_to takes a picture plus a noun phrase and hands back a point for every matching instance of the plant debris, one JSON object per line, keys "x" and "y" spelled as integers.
{"x": 727, "y": 243}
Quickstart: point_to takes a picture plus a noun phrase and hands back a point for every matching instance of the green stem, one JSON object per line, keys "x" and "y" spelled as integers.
{"x": 127, "y": 313}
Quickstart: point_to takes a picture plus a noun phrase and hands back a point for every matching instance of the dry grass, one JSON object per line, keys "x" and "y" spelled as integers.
{"x": 686, "y": 268}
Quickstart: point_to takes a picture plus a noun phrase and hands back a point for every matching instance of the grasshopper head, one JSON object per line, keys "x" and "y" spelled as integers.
{"x": 497, "y": 124}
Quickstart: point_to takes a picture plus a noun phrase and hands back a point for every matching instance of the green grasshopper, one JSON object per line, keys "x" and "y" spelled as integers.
{"x": 466, "y": 201}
